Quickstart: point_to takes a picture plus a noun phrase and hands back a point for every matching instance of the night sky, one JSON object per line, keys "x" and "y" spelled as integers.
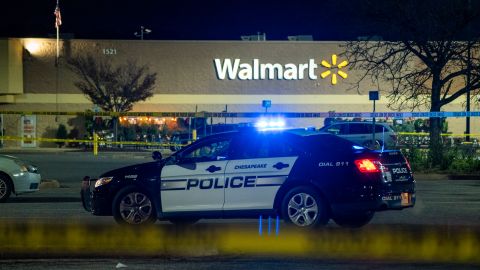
{"x": 185, "y": 20}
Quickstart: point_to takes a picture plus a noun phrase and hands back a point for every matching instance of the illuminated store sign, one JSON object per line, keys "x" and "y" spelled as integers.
{"x": 334, "y": 66}
{"x": 255, "y": 70}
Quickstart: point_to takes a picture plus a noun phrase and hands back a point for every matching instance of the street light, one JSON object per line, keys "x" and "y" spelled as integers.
{"x": 468, "y": 83}
{"x": 373, "y": 95}
{"x": 143, "y": 31}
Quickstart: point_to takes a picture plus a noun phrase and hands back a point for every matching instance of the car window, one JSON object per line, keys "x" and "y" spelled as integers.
{"x": 328, "y": 145}
{"x": 208, "y": 151}
{"x": 245, "y": 146}
{"x": 338, "y": 129}
{"x": 381, "y": 128}
{"x": 262, "y": 146}
{"x": 357, "y": 128}
{"x": 279, "y": 146}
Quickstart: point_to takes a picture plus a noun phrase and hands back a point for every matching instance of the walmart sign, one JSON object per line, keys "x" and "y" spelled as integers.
{"x": 233, "y": 69}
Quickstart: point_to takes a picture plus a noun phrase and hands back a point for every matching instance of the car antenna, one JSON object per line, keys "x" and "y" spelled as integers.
{"x": 383, "y": 138}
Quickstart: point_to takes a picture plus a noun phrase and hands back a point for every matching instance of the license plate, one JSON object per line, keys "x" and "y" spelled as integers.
{"x": 406, "y": 198}
{"x": 400, "y": 170}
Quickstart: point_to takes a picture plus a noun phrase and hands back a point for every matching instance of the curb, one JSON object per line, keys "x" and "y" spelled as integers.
{"x": 46, "y": 184}
{"x": 463, "y": 177}
{"x": 430, "y": 176}
{"x": 443, "y": 177}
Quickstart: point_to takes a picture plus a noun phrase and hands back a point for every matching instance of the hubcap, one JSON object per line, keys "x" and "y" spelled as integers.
{"x": 302, "y": 209}
{"x": 135, "y": 208}
{"x": 3, "y": 188}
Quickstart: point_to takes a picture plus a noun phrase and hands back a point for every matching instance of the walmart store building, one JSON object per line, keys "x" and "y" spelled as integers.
{"x": 297, "y": 76}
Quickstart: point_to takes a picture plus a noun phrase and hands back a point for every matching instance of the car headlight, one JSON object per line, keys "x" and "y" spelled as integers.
{"x": 102, "y": 181}
{"x": 24, "y": 167}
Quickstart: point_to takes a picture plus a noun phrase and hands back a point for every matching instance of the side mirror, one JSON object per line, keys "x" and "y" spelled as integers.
{"x": 156, "y": 155}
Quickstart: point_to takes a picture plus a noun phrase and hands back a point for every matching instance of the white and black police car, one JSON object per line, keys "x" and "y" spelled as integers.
{"x": 305, "y": 177}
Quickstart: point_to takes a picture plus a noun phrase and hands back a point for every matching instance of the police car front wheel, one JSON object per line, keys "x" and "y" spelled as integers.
{"x": 304, "y": 207}
{"x": 134, "y": 207}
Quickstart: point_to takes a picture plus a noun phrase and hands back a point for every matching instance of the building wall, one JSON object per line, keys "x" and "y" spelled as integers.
{"x": 11, "y": 68}
{"x": 187, "y": 79}
{"x": 187, "y": 67}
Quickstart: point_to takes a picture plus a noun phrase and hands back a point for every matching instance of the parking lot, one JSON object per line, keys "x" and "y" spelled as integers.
{"x": 444, "y": 207}
{"x": 439, "y": 202}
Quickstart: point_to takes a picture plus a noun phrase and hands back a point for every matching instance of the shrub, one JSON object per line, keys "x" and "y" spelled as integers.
{"x": 418, "y": 158}
{"x": 458, "y": 159}
{"x": 61, "y": 134}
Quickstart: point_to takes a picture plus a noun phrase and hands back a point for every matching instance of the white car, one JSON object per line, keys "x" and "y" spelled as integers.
{"x": 361, "y": 133}
{"x": 17, "y": 176}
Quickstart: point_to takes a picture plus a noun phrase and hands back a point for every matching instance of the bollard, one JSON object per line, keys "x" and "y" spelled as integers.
{"x": 194, "y": 134}
{"x": 95, "y": 144}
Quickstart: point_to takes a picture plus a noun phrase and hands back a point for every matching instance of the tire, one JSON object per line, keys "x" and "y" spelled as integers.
{"x": 5, "y": 188}
{"x": 183, "y": 221}
{"x": 354, "y": 221}
{"x": 132, "y": 206}
{"x": 304, "y": 207}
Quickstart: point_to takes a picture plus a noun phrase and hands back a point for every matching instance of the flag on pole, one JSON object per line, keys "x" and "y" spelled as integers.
{"x": 58, "y": 22}
{"x": 58, "y": 16}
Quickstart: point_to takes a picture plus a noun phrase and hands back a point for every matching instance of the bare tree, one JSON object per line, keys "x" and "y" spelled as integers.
{"x": 426, "y": 58}
{"x": 114, "y": 89}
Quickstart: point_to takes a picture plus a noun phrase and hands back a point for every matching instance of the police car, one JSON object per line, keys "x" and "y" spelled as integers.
{"x": 305, "y": 177}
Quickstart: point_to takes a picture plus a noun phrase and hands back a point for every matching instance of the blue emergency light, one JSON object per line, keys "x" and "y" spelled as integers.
{"x": 264, "y": 123}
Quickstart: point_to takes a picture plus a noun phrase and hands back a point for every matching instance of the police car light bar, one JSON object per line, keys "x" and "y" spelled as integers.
{"x": 270, "y": 124}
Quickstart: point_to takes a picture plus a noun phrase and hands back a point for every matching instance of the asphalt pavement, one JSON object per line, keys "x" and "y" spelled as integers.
{"x": 440, "y": 202}
{"x": 230, "y": 263}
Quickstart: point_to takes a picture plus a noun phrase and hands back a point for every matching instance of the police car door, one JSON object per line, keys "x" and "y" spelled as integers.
{"x": 194, "y": 179}
{"x": 259, "y": 165}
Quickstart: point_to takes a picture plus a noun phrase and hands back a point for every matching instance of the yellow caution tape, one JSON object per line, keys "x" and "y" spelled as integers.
{"x": 406, "y": 243}
{"x": 100, "y": 141}
{"x": 442, "y": 134}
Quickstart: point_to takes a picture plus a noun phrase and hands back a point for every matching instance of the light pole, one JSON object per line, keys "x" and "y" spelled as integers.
{"x": 467, "y": 86}
{"x": 467, "y": 131}
{"x": 374, "y": 96}
{"x": 143, "y": 31}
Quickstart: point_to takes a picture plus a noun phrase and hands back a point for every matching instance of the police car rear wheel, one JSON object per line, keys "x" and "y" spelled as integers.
{"x": 354, "y": 221}
{"x": 132, "y": 206}
{"x": 304, "y": 207}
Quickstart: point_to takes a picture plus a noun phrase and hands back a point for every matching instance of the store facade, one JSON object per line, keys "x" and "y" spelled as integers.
{"x": 211, "y": 76}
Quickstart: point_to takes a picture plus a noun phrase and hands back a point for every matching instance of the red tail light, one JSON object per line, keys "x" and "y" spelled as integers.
{"x": 367, "y": 166}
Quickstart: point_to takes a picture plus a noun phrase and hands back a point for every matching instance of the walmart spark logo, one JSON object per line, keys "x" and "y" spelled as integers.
{"x": 334, "y": 67}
